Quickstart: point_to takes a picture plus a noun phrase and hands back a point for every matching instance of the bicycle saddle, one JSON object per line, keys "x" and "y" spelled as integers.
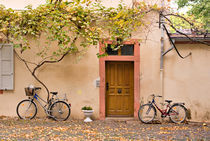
{"x": 169, "y": 101}
{"x": 54, "y": 93}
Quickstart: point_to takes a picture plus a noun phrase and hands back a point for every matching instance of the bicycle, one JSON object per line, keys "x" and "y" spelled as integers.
{"x": 55, "y": 108}
{"x": 176, "y": 112}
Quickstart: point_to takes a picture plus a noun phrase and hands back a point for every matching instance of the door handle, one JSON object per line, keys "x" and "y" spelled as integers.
{"x": 119, "y": 91}
{"x": 107, "y": 86}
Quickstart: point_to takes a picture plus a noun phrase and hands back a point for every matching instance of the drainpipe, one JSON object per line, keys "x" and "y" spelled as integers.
{"x": 161, "y": 55}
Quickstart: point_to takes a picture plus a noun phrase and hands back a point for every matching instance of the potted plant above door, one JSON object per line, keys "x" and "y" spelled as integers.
{"x": 88, "y": 112}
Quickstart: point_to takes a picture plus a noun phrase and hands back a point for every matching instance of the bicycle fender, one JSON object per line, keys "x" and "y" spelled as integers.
{"x": 179, "y": 103}
{"x": 32, "y": 100}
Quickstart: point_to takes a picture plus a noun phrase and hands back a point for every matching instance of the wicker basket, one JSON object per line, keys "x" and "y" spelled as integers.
{"x": 29, "y": 91}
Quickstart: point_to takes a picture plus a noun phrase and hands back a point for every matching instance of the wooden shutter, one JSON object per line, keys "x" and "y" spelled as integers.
{"x": 6, "y": 67}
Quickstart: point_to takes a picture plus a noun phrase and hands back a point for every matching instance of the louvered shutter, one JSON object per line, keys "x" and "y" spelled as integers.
{"x": 6, "y": 67}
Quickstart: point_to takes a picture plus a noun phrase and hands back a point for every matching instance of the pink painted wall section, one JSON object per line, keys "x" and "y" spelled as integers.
{"x": 135, "y": 59}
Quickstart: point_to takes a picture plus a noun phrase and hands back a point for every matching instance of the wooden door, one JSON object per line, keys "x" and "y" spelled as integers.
{"x": 119, "y": 88}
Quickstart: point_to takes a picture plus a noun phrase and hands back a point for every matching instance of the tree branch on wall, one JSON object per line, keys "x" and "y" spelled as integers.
{"x": 171, "y": 24}
{"x": 37, "y": 66}
{"x": 182, "y": 33}
{"x": 183, "y": 57}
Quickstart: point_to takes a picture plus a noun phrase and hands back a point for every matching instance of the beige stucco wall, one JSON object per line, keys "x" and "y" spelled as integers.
{"x": 188, "y": 80}
{"x": 76, "y": 79}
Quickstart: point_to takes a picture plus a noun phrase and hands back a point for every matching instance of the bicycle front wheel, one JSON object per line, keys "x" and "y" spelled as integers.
{"x": 26, "y": 109}
{"x": 177, "y": 113}
{"x": 60, "y": 111}
{"x": 146, "y": 113}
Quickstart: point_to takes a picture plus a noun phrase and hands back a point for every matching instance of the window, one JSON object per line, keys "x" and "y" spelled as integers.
{"x": 111, "y": 51}
{"x": 6, "y": 67}
{"x": 125, "y": 50}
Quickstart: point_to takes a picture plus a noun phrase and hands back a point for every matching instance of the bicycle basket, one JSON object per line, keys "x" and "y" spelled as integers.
{"x": 29, "y": 91}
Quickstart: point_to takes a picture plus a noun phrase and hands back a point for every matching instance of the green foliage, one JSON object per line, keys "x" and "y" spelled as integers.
{"x": 181, "y": 24}
{"x": 66, "y": 22}
{"x": 87, "y": 108}
{"x": 198, "y": 8}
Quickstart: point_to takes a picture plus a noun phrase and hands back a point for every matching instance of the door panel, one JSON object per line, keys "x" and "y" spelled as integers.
{"x": 119, "y": 93}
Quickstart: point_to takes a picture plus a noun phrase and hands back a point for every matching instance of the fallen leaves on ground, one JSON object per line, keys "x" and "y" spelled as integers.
{"x": 45, "y": 129}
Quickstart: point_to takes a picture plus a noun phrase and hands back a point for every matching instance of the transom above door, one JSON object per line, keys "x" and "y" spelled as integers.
{"x": 124, "y": 50}
{"x": 119, "y": 88}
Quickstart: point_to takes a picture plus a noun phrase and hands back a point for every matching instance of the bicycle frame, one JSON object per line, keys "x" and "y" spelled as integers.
{"x": 164, "y": 112}
{"x": 175, "y": 111}
{"x": 41, "y": 101}
{"x": 37, "y": 98}
{"x": 55, "y": 108}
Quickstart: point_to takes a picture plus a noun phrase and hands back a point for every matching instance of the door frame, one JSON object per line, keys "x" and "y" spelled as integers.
{"x": 102, "y": 71}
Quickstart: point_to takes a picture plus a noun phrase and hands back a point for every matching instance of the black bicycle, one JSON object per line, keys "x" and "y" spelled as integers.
{"x": 56, "y": 108}
{"x": 176, "y": 112}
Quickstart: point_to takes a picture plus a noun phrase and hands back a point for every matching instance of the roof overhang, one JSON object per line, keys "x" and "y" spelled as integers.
{"x": 182, "y": 39}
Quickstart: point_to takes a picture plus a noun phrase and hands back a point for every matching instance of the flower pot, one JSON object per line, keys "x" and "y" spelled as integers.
{"x": 88, "y": 114}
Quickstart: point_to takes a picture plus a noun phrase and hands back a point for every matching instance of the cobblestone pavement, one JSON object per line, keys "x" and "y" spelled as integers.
{"x": 46, "y": 129}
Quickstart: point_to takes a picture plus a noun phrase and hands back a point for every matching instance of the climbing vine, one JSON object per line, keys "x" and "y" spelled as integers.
{"x": 64, "y": 21}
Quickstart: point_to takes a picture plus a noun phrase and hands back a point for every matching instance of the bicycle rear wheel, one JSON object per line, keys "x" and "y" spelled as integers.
{"x": 177, "y": 113}
{"x": 146, "y": 113}
{"x": 60, "y": 111}
{"x": 26, "y": 109}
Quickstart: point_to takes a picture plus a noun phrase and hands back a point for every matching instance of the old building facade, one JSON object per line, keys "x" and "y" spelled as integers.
{"x": 116, "y": 85}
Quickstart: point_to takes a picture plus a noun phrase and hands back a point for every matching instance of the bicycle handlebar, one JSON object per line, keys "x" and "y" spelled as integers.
{"x": 153, "y": 95}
